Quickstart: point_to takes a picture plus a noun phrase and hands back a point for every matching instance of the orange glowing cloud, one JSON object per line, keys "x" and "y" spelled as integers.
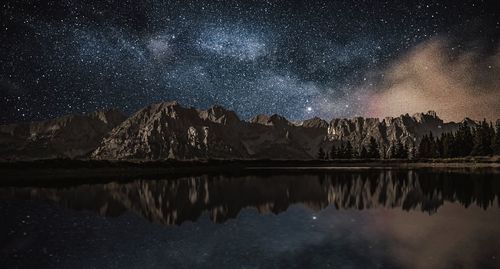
{"x": 431, "y": 77}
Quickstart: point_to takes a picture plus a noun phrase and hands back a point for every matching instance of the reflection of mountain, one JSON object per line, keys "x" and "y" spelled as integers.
{"x": 174, "y": 201}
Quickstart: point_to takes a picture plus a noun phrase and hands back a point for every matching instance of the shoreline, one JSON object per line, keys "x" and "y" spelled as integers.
{"x": 65, "y": 171}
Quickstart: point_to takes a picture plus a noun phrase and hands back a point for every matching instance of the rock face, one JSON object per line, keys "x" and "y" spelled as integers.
{"x": 169, "y": 130}
{"x": 405, "y": 128}
{"x": 71, "y": 136}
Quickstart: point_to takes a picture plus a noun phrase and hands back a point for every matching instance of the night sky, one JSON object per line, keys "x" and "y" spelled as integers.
{"x": 296, "y": 58}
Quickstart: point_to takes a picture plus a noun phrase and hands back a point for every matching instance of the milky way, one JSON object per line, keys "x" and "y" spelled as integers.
{"x": 295, "y": 58}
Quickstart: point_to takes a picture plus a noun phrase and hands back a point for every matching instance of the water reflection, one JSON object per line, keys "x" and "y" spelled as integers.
{"x": 174, "y": 201}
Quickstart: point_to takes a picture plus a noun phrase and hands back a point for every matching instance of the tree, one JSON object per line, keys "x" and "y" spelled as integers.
{"x": 321, "y": 154}
{"x": 363, "y": 154}
{"x": 496, "y": 140}
{"x": 447, "y": 145}
{"x": 463, "y": 141}
{"x": 347, "y": 150}
{"x": 424, "y": 147}
{"x": 439, "y": 147}
{"x": 373, "y": 149}
{"x": 392, "y": 154}
{"x": 483, "y": 137}
{"x": 355, "y": 154}
{"x": 401, "y": 151}
{"x": 333, "y": 152}
{"x": 412, "y": 152}
{"x": 433, "y": 149}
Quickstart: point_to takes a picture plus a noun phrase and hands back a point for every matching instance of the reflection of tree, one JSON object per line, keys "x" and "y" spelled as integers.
{"x": 174, "y": 201}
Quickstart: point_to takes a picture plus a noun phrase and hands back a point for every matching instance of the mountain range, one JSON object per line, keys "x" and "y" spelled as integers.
{"x": 171, "y": 131}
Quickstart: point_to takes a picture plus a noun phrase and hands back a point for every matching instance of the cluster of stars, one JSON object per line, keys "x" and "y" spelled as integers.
{"x": 298, "y": 59}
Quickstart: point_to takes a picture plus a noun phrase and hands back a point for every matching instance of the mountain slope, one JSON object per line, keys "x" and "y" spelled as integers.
{"x": 169, "y": 130}
{"x": 70, "y": 136}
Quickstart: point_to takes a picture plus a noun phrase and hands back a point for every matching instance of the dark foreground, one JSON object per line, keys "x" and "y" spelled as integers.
{"x": 70, "y": 172}
{"x": 345, "y": 218}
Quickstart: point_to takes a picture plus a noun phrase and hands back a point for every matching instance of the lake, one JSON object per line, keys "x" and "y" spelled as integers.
{"x": 345, "y": 218}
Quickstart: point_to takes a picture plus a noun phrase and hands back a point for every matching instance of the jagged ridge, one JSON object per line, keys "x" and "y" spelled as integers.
{"x": 169, "y": 130}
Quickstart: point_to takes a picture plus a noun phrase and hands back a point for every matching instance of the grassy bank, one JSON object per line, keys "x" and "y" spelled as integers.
{"x": 67, "y": 170}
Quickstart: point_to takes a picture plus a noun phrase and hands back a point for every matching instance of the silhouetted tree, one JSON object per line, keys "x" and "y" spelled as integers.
{"x": 341, "y": 150}
{"x": 348, "y": 150}
{"x": 363, "y": 154}
{"x": 412, "y": 152}
{"x": 333, "y": 152}
{"x": 424, "y": 148}
{"x": 483, "y": 136}
{"x": 447, "y": 145}
{"x": 373, "y": 149}
{"x": 401, "y": 151}
{"x": 392, "y": 153}
{"x": 463, "y": 141}
{"x": 433, "y": 149}
{"x": 321, "y": 154}
{"x": 384, "y": 153}
{"x": 496, "y": 140}
{"x": 355, "y": 154}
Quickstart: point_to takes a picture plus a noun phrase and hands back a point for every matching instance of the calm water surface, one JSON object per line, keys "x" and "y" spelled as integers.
{"x": 333, "y": 219}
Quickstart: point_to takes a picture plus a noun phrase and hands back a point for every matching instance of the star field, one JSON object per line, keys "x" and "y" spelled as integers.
{"x": 295, "y": 58}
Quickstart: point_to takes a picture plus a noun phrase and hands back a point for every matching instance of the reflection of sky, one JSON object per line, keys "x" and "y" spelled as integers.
{"x": 43, "y": 235}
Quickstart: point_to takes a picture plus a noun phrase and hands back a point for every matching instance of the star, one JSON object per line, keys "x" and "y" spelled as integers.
{"x": 271, "y": 57}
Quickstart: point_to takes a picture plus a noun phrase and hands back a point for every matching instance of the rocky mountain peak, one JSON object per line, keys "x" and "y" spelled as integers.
{"x": 108, "y": 116}
{"x": 219, "y": 114}
{"x": 430, "y": 116}
{"x": 260, "y": 119}
{"x": 169, "y": 130}
{"x": 273, "y": 120}
{"x": 315, "y": 122}
{"x": 278, "y": 120}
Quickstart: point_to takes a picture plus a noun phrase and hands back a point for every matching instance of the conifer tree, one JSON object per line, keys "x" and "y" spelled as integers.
{"x": 401, "y": 151}
{"x": 321, "y": 154}
{"x": 348, "y": 150}
{"x": 482, "y": 140}
{"x": 333, "y": 153}
{"x": 447, "y": 145}
{"x": 424, "y": 148}
{"x": 392, "y": 154}
{"x": 363, "y": 154}
{"x": 412, "y": 152}
{"x": 433, "y": 149}
{"x": 373, "y": 149}
{"x": 463, "y": 141}
{"x": 355, "y": 154}
{"x": 404, "y": 152}
{"x": 496, "y": 139}
{"x": 439, "y": 147}
{"x": 341, "y": 150}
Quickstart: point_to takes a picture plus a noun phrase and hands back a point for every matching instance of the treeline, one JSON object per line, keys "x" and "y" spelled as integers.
{"x": 483, "y": 140}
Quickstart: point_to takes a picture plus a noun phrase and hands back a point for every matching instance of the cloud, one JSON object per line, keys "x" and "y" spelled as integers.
{"x": 160, "y": 47}
{"x": 435, "y": 76}
{"x": 235, "y": 43}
